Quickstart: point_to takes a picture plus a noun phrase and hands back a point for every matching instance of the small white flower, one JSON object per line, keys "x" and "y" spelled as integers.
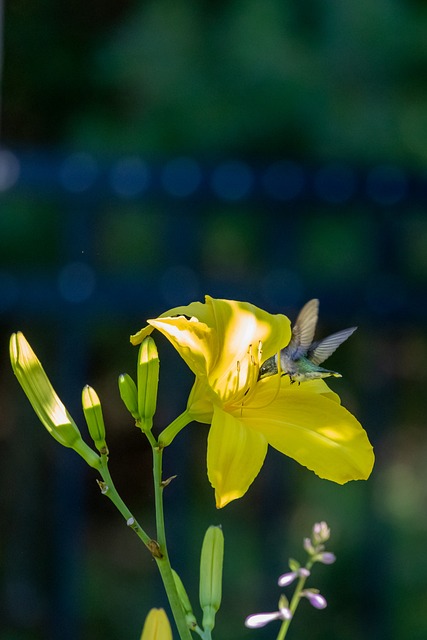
{"x": 287, "y": 578}
{"x": 258, "y": 620}
{"x": 261, "y": 619}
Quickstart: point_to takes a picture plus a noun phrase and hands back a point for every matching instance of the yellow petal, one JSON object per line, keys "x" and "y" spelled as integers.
{"x": 235, "y": 456}
{"x": 196, "y": 309}
{"x": 239, "y": 325}
{"x": 156, "y": 626}
{"x": 200, "y": 402}
{"x": 316, "y": 432}
{"x": 192, "y": 339}
{"x": 314, "y": 386}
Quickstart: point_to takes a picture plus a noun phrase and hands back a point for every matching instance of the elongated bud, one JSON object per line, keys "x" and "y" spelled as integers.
{"x": 156, "y": 626}
{"x": 286, "y": 613}
{"x": 95, "y": 421}
{"x": 148, "y": 381}
{"x": 185, "y": 601}
{"x": 288, "y": 578}
{"x": 45, "y": 401}
{"x": 129, "y": 394}
{"x": 211, "y": 562}
{"x": 326, "y": 557}
{"x": 315, "y": 598}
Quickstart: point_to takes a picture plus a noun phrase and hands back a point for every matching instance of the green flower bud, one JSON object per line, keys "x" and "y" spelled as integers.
{"x": 45, "y": 401}
{"x": 129, "y": 394}
{"x": 294, "y": 565}
{"x": 283, "y": 602}
{"x": 185, "y": 601}
{"x": 211, "y": 562}
{"x": 95, "y": 422}
{"x": 148, "y": 381}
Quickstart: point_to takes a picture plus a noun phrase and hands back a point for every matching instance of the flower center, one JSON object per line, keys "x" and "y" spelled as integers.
{"x": 243, "y": 382}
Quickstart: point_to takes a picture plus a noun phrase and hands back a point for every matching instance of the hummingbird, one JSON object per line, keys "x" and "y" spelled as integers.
{"x": 300, "y": 360}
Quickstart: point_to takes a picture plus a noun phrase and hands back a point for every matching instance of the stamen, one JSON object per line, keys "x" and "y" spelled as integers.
{"x": 244, "y": 387}
{"x": 279, "y": 364}
{"x": 249, "y": 387}
{"x": 278, "y": 379}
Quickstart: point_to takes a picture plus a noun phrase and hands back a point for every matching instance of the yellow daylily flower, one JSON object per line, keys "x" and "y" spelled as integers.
{"x": 156, "y": 626}
{"x": 224, "y": 342}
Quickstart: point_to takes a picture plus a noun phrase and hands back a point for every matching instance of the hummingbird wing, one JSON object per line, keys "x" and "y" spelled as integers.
{"x": 303, "y": 330}
{"x": 320, "y": 351}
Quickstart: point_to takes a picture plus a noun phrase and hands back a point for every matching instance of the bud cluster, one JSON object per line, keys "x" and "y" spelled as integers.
{"x": 315, "y": 548}
{"x": 141, "y": 399}
{"x": 315, "y": 545}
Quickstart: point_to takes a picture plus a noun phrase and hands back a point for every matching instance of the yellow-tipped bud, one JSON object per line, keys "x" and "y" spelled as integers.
{"x": 129, "y": 394}
{"x": 211, "y": 562}
{"x": 95, "y": 421}
{"x": 156, "y": 626}
{"x": 185, "y": 601}
{"x": 44, "y": 399}
{"x": 148, "y": 381}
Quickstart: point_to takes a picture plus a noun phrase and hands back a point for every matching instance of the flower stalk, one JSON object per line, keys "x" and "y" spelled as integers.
{"x": 315, "y": 549}
{"x": 162, "y": 560}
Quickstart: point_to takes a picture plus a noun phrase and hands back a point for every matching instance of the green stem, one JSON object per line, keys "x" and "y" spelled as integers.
{"x": 204, "y": 634}
{"x": 158, "y": 496}
{"x": 294, "y": 604}
{"x": 163, "y": 561}
{"x": 109, "y": 490}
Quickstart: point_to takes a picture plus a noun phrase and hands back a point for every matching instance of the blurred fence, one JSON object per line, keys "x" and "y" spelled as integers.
{"x": 76, "y": 230}
{"x": 89, "y": 248}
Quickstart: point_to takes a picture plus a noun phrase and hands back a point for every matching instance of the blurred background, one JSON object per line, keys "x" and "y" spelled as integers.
{"x": 153, "y": 152}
